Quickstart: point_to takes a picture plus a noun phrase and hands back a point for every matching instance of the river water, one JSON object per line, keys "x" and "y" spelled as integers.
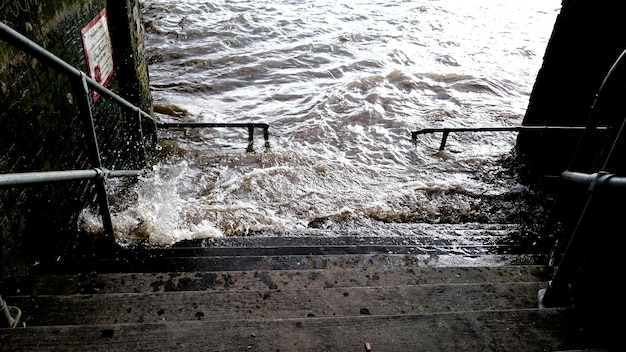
{"x": 342, "y": 83}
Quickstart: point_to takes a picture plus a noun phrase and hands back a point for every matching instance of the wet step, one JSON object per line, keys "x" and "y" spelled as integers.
{"x": 306, "y": 249}
{"x": 506, "y": 330}
{"x": 128, "y": 262}
{"x": 289, "y": 251}
{"x": 401, "y": 229}
{"x": 273, "y": 304}
{"x": 268, "y": 279}
{"x": 420, "y": 237}
{"x": 398, "y": 234}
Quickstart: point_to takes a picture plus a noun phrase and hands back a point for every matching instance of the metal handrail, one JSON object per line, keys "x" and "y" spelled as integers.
{"x": 9, "y": 316}
{"x": 81, "y": 84}
{"x": 447, "y": 131}
{"x": 249, "y": 125}
{"x": 21, "y": 42}
{"x": 45, "y": 177}
{"x": 558, "y": 290}
{"x": 595, "y": 180}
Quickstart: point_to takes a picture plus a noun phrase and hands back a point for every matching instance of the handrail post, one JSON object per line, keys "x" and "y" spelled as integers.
{"x": 266, "y": 135}
{"x": 444, "y": 139}
{"x": 557, "y": 292}
{"x": 82, "y": 91}
{"x": 250, "y": 138}
{"x": 250, "y": 133}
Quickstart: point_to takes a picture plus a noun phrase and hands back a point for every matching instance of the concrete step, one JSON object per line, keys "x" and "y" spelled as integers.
{"x": 334, "y": 277}
{"x": 134, "y": 308}
{"x": 139, "y": 263}
{"x": 496, "y": 330}
{"x": 419, "y": 288}
{"x": 455, "y": 248}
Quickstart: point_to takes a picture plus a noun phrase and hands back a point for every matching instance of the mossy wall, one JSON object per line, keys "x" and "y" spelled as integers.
{"x": 41, "y": 127}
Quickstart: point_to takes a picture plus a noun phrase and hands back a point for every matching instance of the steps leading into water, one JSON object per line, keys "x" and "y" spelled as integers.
{"x": 307, "y": 291}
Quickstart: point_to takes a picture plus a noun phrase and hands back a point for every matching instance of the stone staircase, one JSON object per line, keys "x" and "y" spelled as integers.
{"x": 405, "y": 287}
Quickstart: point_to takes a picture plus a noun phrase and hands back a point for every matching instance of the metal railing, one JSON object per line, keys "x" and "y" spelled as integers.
{"x": 21, "y": 42}
{"x": 447, "y": 131}
{"x": 45, "y": 177}
{"x": 249, "y": 125}
{"x": 600, "y": 185}
{"x": 557, "y": 291}
{"x": 82, "y": 84}
{"x": 595, "y": 180}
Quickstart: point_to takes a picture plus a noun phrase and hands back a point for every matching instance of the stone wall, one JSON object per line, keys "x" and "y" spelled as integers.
{"x": 42, "y": 129}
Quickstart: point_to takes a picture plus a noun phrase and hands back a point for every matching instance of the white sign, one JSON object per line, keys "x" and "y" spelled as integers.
{"x": 98, "y": 50}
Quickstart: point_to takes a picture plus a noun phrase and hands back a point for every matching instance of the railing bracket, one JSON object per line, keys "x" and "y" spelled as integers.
{"x": 9, "y": 316}
{"x": 553, "y": 296}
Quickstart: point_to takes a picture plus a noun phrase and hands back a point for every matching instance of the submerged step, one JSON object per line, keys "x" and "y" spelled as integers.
{"x": 386, "y": 234}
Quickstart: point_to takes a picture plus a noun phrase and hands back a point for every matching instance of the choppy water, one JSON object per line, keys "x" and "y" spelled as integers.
{"x": 342, "y": 83}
